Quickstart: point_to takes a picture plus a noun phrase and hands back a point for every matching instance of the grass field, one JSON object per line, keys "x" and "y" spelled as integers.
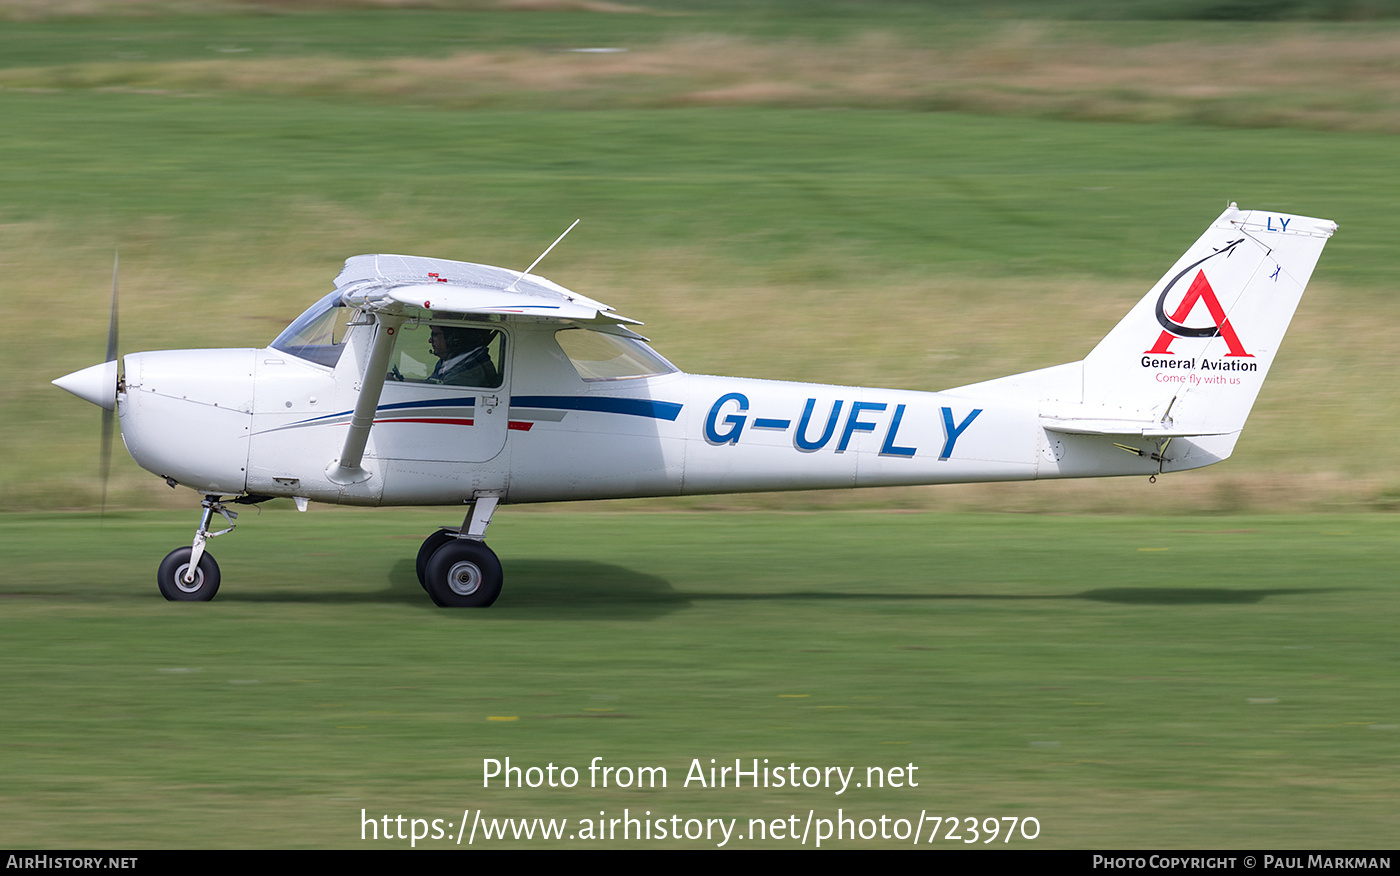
{"x": 235, "y": 186}
{"x": 1131, "y": 682}
{"x": 882, "y": 194}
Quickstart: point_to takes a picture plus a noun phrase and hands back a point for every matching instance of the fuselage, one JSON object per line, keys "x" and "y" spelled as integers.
{"x": 268, "y": 423}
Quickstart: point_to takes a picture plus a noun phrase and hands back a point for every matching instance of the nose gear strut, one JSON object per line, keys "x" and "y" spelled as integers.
{"x": 212, "y": 504}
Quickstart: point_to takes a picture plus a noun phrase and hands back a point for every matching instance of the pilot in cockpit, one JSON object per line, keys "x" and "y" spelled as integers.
{"x": 464, "y": 356}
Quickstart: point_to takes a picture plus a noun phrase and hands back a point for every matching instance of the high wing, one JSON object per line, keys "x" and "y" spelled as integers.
{"x": 413, "y": 286}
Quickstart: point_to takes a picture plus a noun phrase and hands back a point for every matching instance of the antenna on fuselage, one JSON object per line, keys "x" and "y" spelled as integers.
{"x": 511, "y": 287}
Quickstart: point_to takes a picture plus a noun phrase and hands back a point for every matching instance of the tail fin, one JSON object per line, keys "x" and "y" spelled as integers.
{"x": 1201, "y": 342}
{"x": 1189, "y": 359}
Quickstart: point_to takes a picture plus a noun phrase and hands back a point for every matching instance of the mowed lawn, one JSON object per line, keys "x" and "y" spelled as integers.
{"x": 918, "y": 251}
{"x": 1129, "y": 682}
{"x": 237, "y": 160}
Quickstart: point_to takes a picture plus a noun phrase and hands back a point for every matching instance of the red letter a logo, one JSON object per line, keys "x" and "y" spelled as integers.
{"x": 1200, "y": 291}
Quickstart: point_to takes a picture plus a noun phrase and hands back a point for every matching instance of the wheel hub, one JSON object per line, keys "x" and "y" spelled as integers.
{"x": 193, "y": 586}
{"x": 464, "y": 578}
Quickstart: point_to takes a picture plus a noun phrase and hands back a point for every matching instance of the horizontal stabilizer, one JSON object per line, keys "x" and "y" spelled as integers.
{"x": 1122, "y": 428}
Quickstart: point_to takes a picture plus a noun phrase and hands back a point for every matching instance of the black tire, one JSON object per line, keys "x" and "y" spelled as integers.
{"x": 430, "y": 546}
{"x": 171, "y": 577}
{"x": 464, "y": 573}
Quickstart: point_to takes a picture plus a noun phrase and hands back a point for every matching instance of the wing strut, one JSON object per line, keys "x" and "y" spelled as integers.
{"x": 348, "y": 470}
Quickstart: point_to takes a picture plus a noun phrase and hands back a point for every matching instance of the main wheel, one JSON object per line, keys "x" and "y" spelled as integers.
{"x": 171, "y": 577}
{"x": 430, "y": 546}
{"x": 464, "y": 573}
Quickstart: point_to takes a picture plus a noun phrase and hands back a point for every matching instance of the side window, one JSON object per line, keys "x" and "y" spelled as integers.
{"x": 448, "y": 355}
{"x": 599, "y": 356}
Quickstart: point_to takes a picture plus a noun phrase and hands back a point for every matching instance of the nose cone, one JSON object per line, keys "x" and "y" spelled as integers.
{"x": 97, "y": 384}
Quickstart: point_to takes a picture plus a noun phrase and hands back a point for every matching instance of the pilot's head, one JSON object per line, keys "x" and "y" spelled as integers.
{"x": 447, "y": 341}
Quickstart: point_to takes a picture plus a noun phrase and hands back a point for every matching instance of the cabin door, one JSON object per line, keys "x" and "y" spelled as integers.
{"x": 447, "y": 396}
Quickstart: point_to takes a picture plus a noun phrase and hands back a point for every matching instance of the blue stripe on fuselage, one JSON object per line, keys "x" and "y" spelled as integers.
{"x": 632, "y": 407}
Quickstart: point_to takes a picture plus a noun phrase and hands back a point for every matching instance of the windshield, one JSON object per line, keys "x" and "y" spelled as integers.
{"x": 318, "y": 335}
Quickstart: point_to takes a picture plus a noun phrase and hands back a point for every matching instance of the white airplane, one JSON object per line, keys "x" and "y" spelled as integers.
{"x": 422, "y": 381}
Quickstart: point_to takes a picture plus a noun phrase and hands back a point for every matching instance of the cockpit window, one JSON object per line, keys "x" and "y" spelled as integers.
{"x": 448, "y": 354}
{"x": 599, "y": 356}
{"x": 318, "y": 335}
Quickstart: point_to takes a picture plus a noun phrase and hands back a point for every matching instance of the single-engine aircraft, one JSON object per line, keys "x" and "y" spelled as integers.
{"x": 422, "y": 381}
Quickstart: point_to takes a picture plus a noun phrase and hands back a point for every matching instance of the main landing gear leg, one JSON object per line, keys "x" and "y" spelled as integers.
{"x": 456, "y": 567}
{"x": 188, "y": 574}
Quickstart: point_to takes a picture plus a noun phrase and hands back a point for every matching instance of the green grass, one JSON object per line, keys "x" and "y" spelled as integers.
{"x": 1131, "y": 682}
{"x": 942, "y": 249}
{"x": 756, "y": 190}
{"x": 885, "y": 242}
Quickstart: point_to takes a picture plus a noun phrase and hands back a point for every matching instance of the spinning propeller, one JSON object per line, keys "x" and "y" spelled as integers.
{"x": 98, "y": 384}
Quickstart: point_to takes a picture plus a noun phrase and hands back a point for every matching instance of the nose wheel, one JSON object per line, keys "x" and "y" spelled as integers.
{"x": 188, "y": 574}
{"x": 175, "y": 568}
